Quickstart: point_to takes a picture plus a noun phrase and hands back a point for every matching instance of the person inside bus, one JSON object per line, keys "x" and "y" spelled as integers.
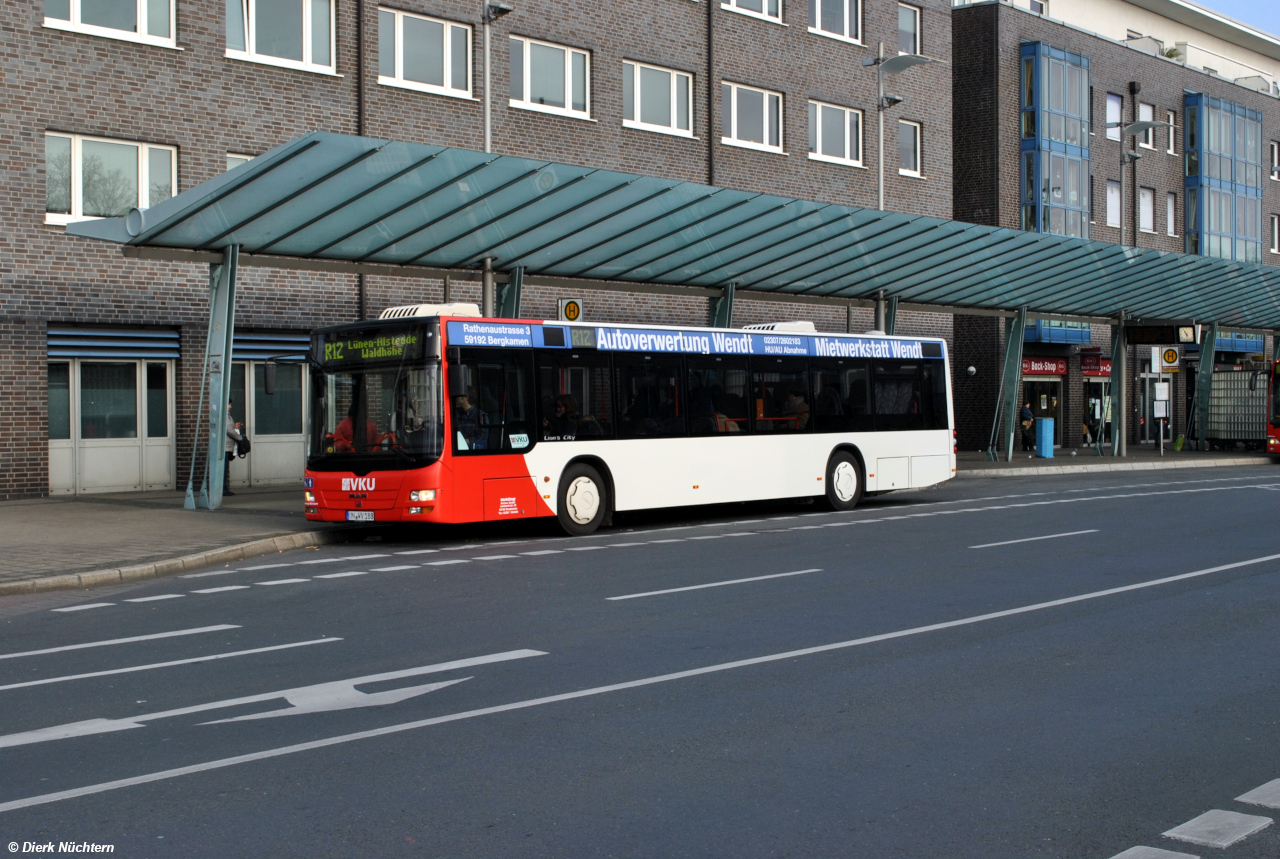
{"x": 567, "y": 418}
{"x": 796, "y": 409}
{"x": 466, "y": 423}
{"x": 344, "y": 438}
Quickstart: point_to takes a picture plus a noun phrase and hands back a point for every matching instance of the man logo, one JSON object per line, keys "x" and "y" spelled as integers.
{"x": 358, "y": 484}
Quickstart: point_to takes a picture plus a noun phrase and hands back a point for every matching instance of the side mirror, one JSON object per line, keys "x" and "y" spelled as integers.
{"x": 269, "y": 377}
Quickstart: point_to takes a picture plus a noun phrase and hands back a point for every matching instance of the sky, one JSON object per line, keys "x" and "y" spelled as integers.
{"x": 1263, "y": 14}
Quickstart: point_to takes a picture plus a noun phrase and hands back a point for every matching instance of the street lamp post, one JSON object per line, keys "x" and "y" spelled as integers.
{"x": 490, "y": 11}
{"x": 1132, "y": 129}
{"x": 889, "y": 66}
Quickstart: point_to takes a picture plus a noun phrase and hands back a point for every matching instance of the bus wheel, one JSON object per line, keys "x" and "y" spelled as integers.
{"x": 844, "y": 481}
{"x": 583, "y": 500}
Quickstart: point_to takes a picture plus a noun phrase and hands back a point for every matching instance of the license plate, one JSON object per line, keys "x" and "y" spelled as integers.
{"x": 359, "y": 515}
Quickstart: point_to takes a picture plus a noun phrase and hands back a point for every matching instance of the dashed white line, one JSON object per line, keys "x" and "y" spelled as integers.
{"x": 252, "y": 569}
{"x": 192, "y": 661}
{"x": 1218, "y": 828}
{"x": 417, "y": 552}
{"x": 446, "y": 563}
{"x": 1033, "y": 539}
{"x": 669, "y": 540}
{"x": 545, "y": 552}
{"x": 365, "y": 557}
{"x": 130, "y": 640}
{"x": 322, "y": 561}
{"x": 396, "y": 569}
{"x": 157, "y": 597}
{"x": 223, "y": 589}
{"x": 713, "y": 585}
{"x": 491, "y": 558}
{"x": 708, "y": 537}
{"x": 340, "y": 575}
{"x": 1268, "y": 795}
{"x": 1152, "y": 853}
{"x": 586, "y": 548}
{"x": 622, "y": 545}
{"x": 282, "y": 582}
{"x": 227, "y": 572}
{"x": 85, "y": 606}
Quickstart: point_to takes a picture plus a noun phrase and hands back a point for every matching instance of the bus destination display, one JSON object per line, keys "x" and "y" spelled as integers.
{"x": 362, "y": 347}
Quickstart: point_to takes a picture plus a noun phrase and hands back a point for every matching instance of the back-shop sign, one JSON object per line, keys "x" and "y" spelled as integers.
{"x": 1044, "y": 366}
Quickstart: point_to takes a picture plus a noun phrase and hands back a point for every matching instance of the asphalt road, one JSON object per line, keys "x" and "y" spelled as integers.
{"x": 899, "y": 681}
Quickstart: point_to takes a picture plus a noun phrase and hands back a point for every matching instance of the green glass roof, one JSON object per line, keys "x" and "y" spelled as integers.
{"x": 346, "y": 199}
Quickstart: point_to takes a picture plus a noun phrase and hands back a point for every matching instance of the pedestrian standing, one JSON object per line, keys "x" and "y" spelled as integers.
{"x": 233, "y": 435}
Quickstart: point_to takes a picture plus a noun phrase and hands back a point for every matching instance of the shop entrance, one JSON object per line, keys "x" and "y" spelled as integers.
{"x": 274, "y": 423}
{"x": 1096, "y": 413}
{"x": 1045, "y": 396}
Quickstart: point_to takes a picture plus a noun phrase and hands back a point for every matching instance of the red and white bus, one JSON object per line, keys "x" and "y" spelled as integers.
{"x": 432, "y": 414}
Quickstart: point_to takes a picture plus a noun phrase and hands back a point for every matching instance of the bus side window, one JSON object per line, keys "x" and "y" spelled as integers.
{"x": 899, "y": 404}
{"x": 935, "y": 395}
{"x": 575, "y": 397}
{"x": 717, "y": 392}
{"x": 649, "y": 401}
{"x": 495, "y": 414}
{"x": 781, "y": 392}
{"x": 841, "y": 395}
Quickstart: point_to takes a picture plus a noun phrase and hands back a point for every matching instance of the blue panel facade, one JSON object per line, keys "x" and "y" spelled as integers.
{"x": 1055, "y": 140}
{"x": 1053, "y": 331}
{"x": 1224, "y": 175}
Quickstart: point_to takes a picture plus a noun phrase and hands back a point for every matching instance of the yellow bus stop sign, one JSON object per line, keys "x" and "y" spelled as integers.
{"x": 570, "y": 309}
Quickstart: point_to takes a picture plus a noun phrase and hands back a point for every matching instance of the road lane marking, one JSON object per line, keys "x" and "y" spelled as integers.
{"x": 395, "y": 569}
{"x": 157, "y": 597}
{"x": 130, "y": 640}
{"x": 320, "y": 561}
{"x": 85, "y": 606}
{"x": 622, "y": 545}
{"x": 1268, "y": 795}
{"x": 259, "y": 567}
{"x": 222, "y": 589}
{"x": 1218, "y": 828}
{"x": 343, "y": 575}
{"x": 388, "y": 730}
{"x": 191, "y": 661}
{"x": 586, "y": 548}
{"x": 333, "y": 695}
{"x": 713, "y": 585}
{"x": 227, "y": 572}
{"x": 1152, "y": 853}
{"x": 281, "y": 582}
{"x": 1033, "y": 539}
{"x": 417, "y": 552}
{"x": 365, "y": 557}
{"x": 491, "y": 558}
{"x": 545, "y": 552}
{"x": 447, "y": 563}
{"x": 669, "y": 540}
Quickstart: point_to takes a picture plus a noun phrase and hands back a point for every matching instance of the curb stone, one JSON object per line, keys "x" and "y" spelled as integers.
{"x": 174, "y": 566}
{"x": 1095, "y": 468}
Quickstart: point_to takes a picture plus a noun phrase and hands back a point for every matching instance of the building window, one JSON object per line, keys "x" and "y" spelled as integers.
{"x": 1115, "y": 109}
{"x": 1275, "y": 161}
{"x": 296, "y": 34}
{"x": 550, "y": 78}
{"x": 835, "y": 134}
{"x": 147, "y": 21}
{"x": 908, "y": 29}
{"x": 657, "y": 99}
{"x": 1055, "y": 141}
{"x": 234, "y": 160}
{"x": 1171, "y": 214}
{"x": 92, "y": 177}
{"x": 909, "y": 147}
{"x": 751, "y": 117}
{"x": 1171, "y": 118}
{"x": 424, "y": 54}
{"x": 1113, "y": 204}
{"x": 1039, "y": 7}
{"x": 1275, "y": 234}
{"x": 1147, "y": 113}
{"x": 768, "y": 9}
{"x": 1147, "y": 210}
{"x": 839, "y": 18}
{"x": 1224, "y": 175}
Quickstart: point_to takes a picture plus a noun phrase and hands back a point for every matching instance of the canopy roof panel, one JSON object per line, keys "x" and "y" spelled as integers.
{"x": 346, "y": 199}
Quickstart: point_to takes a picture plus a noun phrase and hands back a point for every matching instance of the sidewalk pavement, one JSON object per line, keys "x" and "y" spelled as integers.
{"x": 69, "y": 543}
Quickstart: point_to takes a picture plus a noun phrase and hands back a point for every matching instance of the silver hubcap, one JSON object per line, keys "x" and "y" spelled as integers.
{"x": 582, "y": 501}
{"x": 844, "y": 481}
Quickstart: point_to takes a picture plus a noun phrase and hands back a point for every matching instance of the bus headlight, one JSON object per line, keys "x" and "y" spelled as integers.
{"x": 422, "y": 495}
{"x": 309, "y": 497}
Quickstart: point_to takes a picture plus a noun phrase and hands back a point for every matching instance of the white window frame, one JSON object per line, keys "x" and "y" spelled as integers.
{"x": 1042, "y": 10}
{"x": 1171, "y": 214}
{"x": 918, "y": 173}
{"x": 567, "y": 110}
{"x": 676, "y": 75}
{"x": 77, "y": 189}
{"x": 1147, "y": 210}
{"x": 1275, "y": 161}
{"x": 251, "y": 55}
{"x": 1275, "y": 234}
{"x": 854, "y": 159}
{"x": 731, "y": 139}
{"x": 919, "y": 13}
{"x": 73, "y": 25}
{"x": 448, "y": 89}
{"x": 852, "y": 22}
{"x": 732, "y": 6}
{"x": 1147, "y": 113}
{"x": 1113, "y": 204}
{"x": 1171, "y": 118}
{"x": 1113, "y": 131}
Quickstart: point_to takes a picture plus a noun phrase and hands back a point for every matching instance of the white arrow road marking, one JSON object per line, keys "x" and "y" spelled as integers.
{"x": 130, "y": 640}
{"x": 321, "y": 697}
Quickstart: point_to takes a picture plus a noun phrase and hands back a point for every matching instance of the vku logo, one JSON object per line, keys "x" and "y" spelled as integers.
{"x": 358, "y": 484}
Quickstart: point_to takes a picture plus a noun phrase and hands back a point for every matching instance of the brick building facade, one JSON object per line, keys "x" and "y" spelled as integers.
{"x": 200, "y": 94}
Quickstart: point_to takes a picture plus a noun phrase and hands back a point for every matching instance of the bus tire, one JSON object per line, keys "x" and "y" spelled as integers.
{"x": 583, "y": 501}
{"x": 844, "y": 481}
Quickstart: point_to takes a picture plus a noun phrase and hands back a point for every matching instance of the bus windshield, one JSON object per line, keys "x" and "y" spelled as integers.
{"x": 1275, "y": 395}
{"x": 377, "y": 402}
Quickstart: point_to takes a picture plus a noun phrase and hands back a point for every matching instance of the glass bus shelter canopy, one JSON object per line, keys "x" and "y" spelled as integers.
{"x": 340, "y": 202}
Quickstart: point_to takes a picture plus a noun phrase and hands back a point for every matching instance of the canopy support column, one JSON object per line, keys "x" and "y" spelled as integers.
{"x": 1118, "y": 379}
{"x": 1010, "y": 382}
{"x": 880, "y": 309}
{"x": 891, "y": 315}
{"x": 487, "y": 289}
{"x": 222, "y": 319}
{"x": 1204, "y": 383}
{"x": 720, "y": 307}
{"x": 509, "y": 295}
